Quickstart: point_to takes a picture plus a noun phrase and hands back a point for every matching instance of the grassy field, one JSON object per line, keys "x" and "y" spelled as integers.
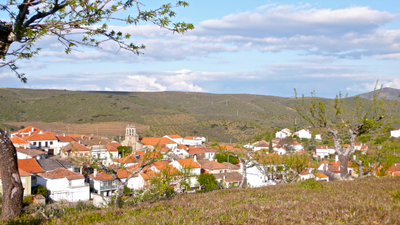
{"x": 366, "y": 201}
{"x": 223, "y": 117}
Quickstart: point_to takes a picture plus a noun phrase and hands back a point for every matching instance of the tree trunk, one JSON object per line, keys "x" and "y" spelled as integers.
{"x": 343, "y": 159}
{"x": 11, "y": 181}
{"x": 244, "y": 173}
{"x": 119, "y": 195}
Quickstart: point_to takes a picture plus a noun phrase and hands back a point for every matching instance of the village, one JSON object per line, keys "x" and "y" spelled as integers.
{"x": 55, "y": 161}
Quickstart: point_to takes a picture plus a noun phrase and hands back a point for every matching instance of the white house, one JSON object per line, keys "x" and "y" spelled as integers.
{"x": 296, "y": 146}
{"x": 27, "y": 131}
{"x": 104, "y": 184}
{"x": 47, "y": 142}
{"x": 27, "y": 153}
{"x": 176, "y": 138}
{"x": 192, "y": 165}
{"x": 181, "y": 151}
{"x": 395, "y": 133}
{"x": 189, "y": 140}
{"x": 159, "y": 142}
{"x": 256, "y": 178}
{"x": 19, "y": 142}
{"x": 318, "y": 137}
{"x": 304, "y": 133}
{"x": 324, "y": 150}
{"x": 65, "y": 185}
{"x": 283, "y": 133}
{"x": 260, "y": 145}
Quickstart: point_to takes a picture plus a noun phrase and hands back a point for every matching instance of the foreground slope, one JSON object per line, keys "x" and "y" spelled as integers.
{"x": 366, "y": 201}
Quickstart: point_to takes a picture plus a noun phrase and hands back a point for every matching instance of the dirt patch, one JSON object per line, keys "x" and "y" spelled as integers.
{"x": 102, "y": 129}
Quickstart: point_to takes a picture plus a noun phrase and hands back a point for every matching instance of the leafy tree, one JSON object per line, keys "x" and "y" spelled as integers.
{"x": 377, "y": 161}
{"x": 225, "y": 156}
{"x": 344, "y": 124}
{"x": 270, "y": 147}
{"x": 75, "y": 23}
{"x": 207, "y": 182}
{"x": 124, "y": 150}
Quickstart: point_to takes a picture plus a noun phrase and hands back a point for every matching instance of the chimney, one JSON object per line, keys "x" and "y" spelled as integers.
{"x": 32, "y": 129}
{"x": 80, "y": 170}
{"x": 64, "y": 134}
{"x": 195, "y": 158}
{"x": 95, "y": 173}
{"x": 336, "y": 158}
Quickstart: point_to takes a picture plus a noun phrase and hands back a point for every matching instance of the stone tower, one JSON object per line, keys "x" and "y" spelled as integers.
{"x": 132, "y": 138}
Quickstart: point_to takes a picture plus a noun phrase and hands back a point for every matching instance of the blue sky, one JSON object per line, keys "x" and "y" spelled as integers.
{"x": 253, "y": 47}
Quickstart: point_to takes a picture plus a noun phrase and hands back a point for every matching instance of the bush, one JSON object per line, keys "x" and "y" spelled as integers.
{"x": 39, "y": 190}
{"x": 207, "y": 182}
{"x": 27, "y": 200}
{"x": 311, "y": 184}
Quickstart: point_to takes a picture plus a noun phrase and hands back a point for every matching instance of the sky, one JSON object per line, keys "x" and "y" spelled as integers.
{"x": 247, "y": 47}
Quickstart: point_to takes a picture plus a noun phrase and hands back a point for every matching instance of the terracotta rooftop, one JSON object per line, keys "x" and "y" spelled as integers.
{"x": 41, "y": 137}
{"x": 75, "y": 146}
{"x": 157, "y": 141}
{"x": 62, "y": 173}
{"x": 231, "y": 166}
{"x": 30, "y": 152}
{"x": 30, "y": 165}
{"x": 17, "y": 140}
{"x": 64, "y": 139}
{"x": 229, "y": 177}
{"x": 188, "y": 163}
{"x": 28, "y": 129}
{"x": 201, "y": 150}
{"x": 320, "y": 175}
{"x": 113, "y": 146}
{"x": 121, "y": 173}
{"x": 214, "y": 165}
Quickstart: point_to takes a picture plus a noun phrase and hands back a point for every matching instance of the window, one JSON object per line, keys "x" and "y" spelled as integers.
{"x": 51, "y": 143}
{"x": 34, "y": 143}
{"x": 46, "y": 144}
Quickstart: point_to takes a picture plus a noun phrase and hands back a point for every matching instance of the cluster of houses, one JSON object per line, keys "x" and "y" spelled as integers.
{"x": 303, "y": 133}
{"x": 48, "y": 159}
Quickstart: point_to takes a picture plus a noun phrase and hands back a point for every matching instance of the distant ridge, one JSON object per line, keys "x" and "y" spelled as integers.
{"x": 387, "y": 93}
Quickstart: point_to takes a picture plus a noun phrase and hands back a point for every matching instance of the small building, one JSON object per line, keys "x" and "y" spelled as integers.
{"x": 214, "y": 167}
{"x": 28, "y": 153}
{"x": 283, "y": 133}
{"x": 304, "y": 133}
{"x": 395, "y": 133}
{"x": 65, "y": 185}
{"x": 191, "y": 140}
{"x": 47, "y": 142}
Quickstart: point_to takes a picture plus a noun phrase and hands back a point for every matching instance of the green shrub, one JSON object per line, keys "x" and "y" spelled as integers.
{"x": 311, "y": 184}
{"x": 39, "y": 190}
{"x": 207, "y": 182}
{"x": 27, "y": 200}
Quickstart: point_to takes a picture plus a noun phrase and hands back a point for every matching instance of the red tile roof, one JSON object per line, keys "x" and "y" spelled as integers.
{"x": 320, "y": 175}
{"x": 157, "y": 141}
{"x": 64, "y": 139}
{"x": 121, "y": 173}
{"x": 75, "y": 146}
{"x": 17, "y": 140}
{"x": 30, "y": 152}
{"x": 62, "y": 173}
{"x": 214, "y": 165}
{"x": 201, "y": 150}
{"x": 113, "y": 146}
{"x": 30, "y": 165}
{"x": 28, "y": 129}
{"x": 41, "y": 137}
{"x": 188, "y": 163}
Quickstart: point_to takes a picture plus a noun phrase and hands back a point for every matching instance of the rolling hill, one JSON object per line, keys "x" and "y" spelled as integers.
{"x": 223, "y": 117}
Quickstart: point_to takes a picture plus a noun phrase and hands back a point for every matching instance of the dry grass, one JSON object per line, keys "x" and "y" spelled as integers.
{"x": 367, "y": 201}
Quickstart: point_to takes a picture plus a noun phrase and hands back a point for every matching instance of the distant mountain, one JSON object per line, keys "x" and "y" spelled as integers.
{"x": 387, "y": 93}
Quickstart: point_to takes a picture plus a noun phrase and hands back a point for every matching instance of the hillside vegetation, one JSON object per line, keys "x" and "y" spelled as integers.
{"x": 365, "y": 201}
{"x": 224, "y": 117}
